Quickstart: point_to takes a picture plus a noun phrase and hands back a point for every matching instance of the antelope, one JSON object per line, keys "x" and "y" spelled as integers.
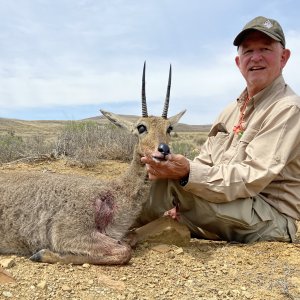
{"x": 56, "y": 218}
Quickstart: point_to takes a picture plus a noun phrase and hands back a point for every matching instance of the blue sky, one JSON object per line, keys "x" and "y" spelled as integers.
{"x": 66, "y": 59}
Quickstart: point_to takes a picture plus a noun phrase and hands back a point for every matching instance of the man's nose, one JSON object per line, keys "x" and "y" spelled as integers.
{"x": 256, "y": 55}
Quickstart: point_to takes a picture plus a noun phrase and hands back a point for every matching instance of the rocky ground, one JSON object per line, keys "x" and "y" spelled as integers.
{"x": 200, "y": 270}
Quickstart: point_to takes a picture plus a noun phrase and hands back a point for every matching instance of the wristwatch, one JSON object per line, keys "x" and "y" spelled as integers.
{"x": 183, "y": 181}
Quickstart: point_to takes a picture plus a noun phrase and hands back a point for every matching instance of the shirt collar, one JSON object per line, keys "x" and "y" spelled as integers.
{"x": 270, "y": 90}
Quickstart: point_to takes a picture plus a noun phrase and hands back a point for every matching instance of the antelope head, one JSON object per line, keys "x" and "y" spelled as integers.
{"x": 153, "y": 132}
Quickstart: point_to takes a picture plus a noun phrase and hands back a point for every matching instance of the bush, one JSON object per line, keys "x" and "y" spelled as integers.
{"x": 10, "y": 147}
{"x": 88, "y": 142}
{"x": 14, "y": 147}
{"x": 187, "y": 149}
{"x": 199, "y": 141}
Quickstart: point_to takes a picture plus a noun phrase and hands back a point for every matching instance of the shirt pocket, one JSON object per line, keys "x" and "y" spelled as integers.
{"x": 241, "y": 152}
{"x": 219, "y": 147}
{"x": 248, "y": 135}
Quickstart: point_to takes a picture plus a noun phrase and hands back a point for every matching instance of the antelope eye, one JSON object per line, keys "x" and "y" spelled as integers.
{"x": 170, "y": 128}
{"x": 141, "y": 129}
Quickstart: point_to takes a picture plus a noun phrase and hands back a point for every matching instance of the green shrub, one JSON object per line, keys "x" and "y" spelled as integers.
{"x": 14, "y": 147}
{"x": 10, "y": 147}
{"x": 199, "y": 141}
{"x": 88, "y": 142}
{"x": 185, "y": 148}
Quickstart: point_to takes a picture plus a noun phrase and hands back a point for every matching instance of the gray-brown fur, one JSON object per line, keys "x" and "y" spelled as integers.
{"x": 73, "y": 219}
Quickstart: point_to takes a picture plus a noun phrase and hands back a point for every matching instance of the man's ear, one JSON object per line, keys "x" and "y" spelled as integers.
{"x": 286, "y": 53}
{"x": 237, "y": 61}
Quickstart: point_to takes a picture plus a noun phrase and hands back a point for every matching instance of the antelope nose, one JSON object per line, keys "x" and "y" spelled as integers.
{"x": 163, "y": 149}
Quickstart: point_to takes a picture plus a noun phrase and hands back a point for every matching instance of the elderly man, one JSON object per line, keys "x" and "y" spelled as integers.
{"x": 245, "y": 184}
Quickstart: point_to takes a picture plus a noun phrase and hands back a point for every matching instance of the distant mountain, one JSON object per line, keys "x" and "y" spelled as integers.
{"x": 28, "y": 128}
{"x": 180, "y": 127}
{"x": 50, "y": 128}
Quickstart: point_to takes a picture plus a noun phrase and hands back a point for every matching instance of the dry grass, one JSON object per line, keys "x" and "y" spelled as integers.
{"x": 188, "y": 143}
{"x": 88, "y": 142}
{"x": 45, "y": 129}
{"x": 13, "y": 147}
{"x": 85, "y": 142}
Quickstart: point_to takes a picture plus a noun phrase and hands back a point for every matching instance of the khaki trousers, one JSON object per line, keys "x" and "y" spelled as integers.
{"x": 243, "y": 220}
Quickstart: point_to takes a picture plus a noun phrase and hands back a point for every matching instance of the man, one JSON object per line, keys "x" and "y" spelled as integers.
{"x": 245, "y": 184}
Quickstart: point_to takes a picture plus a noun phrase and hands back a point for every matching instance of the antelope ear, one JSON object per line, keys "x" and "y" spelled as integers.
{"x": 175, "y": 119}
{"x": 118, "y": 120}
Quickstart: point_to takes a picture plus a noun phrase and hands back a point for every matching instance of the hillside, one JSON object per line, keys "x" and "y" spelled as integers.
{"x": 29, "y": 128}
{"x": 48, "y": 128}
{"x": 180, "y": 127}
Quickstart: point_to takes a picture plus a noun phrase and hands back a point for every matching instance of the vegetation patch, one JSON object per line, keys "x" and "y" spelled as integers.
{"x": 86, "y": 143}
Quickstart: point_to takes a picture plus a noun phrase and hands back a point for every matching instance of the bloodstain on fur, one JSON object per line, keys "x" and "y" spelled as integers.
{"x": 104, "y": 210}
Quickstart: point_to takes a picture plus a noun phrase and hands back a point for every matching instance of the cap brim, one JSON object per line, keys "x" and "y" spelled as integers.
{"x": 239, "y": 38}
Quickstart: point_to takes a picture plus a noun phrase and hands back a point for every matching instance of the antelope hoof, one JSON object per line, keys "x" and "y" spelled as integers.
{"x": 44, "y": 255}
{"x": 36, "y": 257}
{"x": 131, "y": 238}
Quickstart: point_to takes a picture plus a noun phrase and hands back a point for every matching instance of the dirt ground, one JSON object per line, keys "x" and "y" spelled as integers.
{"x": 207, "y": 270}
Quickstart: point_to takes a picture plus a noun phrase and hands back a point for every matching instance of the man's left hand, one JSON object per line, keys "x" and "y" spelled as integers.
{"x": 175, "y": 166}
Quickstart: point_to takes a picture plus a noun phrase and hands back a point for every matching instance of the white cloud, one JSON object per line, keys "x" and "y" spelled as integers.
{"x": 84, "y": 52}
{"x": 291, "y": 71}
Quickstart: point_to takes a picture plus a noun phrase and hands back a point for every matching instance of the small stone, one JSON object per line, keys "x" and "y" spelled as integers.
{"x": 90, "y": 282}
{"x": 7, "y": 263}
{"x": 179, "y": 251}
{"x": 66, "y": 288}
{"x": 164, "y": 230}
{"x": 235, "y": 292}
{"x": 247, "y": 295}
{"x": 86, "y": 265}
{"x": 42, "y": 285}
{"x": 162, "y": 248}
{"x": 7, "y": 294}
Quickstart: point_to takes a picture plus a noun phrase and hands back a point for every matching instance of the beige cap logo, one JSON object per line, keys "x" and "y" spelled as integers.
{"x": 268, "y": 24}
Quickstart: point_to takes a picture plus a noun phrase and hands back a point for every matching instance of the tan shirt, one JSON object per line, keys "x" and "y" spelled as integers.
{"x": 265, "y": 160}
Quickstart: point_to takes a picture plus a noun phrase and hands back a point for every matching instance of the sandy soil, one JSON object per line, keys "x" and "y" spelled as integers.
{"x": 201, "y": 270}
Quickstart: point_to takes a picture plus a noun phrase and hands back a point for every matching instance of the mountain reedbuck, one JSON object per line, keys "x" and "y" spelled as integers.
{"x": 72, "y": 219}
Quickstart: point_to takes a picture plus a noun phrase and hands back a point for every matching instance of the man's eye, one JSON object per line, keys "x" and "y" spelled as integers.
{"x": 247, "y": 52}
{"x": 141, "y": 129}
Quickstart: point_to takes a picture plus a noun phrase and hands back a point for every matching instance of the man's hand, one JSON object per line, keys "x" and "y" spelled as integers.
{"x": 175, "y": 166}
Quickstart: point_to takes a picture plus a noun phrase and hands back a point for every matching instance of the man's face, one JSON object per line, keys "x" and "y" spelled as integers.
{"x": 260, "y": 60}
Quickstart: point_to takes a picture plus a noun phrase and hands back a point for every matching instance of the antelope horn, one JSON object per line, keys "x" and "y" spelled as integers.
{"x": 144, "y": 104}
{"x": 166, "y": 105}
